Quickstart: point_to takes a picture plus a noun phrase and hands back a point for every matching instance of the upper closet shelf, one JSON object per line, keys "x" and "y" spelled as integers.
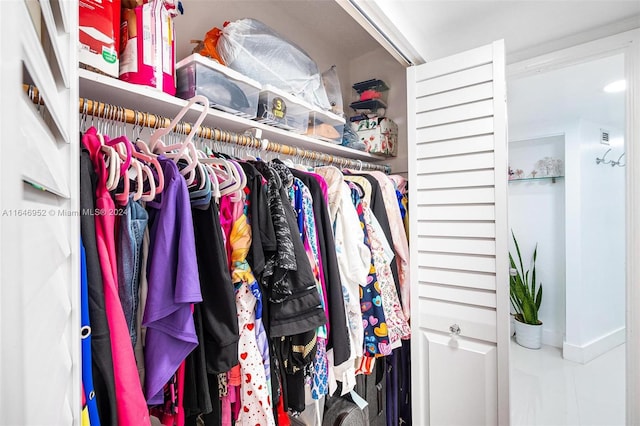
{"x": 97, "y": 87}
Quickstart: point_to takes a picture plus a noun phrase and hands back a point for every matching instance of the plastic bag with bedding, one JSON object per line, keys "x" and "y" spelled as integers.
{"x": 257, "y": 51}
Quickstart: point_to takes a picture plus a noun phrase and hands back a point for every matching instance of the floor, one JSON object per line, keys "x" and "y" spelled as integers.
{"x": 547, "y": 390}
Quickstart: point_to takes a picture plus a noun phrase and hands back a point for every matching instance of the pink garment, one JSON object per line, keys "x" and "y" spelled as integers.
{"x": 399, "y": 236}
{"x": 177, "y": 419}
{"x": 226, "y": 407}
{"x": 232, "y": 400}
{"x": 130, "y": 403}
{"x": 400, "y": 182}
{"x": 227, "y": 217}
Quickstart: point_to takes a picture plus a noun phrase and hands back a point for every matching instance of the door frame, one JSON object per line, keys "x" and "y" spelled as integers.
{"x": 627, "y": 43}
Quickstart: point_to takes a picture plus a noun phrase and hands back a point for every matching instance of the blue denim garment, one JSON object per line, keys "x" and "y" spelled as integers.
{"x": 132, "y": 225}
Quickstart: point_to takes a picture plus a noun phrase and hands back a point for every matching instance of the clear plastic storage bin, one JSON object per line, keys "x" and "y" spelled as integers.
{"x": 326, "y": 126}
{"x": 280, "y": 109}
{"x": 226, "y": 89}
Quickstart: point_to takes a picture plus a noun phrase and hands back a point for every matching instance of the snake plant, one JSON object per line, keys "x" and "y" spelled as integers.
{"x": 525, "y": 295}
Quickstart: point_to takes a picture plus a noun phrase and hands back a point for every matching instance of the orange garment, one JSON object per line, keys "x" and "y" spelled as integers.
{"x": 210, "y": 45}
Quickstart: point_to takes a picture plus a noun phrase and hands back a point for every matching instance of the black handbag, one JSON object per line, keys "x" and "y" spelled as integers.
{"x": 342, "y": 411}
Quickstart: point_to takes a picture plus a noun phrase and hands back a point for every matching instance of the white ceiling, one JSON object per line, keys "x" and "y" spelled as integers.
{"x": 435, "y": 28}
{"x": 438, "y": 28}
{"x": 565, "y": 95}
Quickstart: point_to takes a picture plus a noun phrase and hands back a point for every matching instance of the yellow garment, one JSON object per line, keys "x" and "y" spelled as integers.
{"x": 84, "y": 419}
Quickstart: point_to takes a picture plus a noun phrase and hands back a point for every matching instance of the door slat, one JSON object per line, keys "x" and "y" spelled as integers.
{"x": 455, "y": 80}
{"x": 458, "y": 245}
{"x": 465, "y": 129}
{"x": 455, "y": 146}
{"x": 456, "y": 180}
{"x": 478, "y": 92}
{"x": 457, "y": 294}
{"x": 456, "y": 113}
{"x": 460, "y": 262}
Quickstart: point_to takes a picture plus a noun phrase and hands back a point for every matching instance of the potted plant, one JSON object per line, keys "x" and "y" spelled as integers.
{"x": 526, "y": 297}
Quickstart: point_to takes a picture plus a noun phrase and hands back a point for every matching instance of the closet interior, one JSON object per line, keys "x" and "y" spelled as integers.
{"x": 250, "y": 274}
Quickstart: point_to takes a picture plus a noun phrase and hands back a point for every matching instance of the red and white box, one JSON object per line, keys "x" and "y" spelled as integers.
{"x": 99, "y": 22}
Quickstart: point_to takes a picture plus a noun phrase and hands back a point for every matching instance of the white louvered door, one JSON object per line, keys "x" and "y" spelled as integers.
{"x": 459, "y": 254}
{"x": 39, "y": 228}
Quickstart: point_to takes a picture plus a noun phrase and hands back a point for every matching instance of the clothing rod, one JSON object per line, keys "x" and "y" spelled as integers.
{"x": 98, "y": 109}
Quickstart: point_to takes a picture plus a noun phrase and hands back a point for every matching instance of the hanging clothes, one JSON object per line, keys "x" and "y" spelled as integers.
{"x": 383, "y": 257}
{"x": 130, "y": 403}
{"x": 398, "y": 236}
{"x": 101, "y": 351}
{"x": 262, "y": 232}
{"x": 302, "y": 204}
{"x": 242, "y": 311}
{"x": 376, "y": 334}
{"x": 295, "y": 306}
{"x": 143, "y": 291}
{"x": 263, "y": 244}
{"x": 88, "y": 392}
{"x": 337, "y": 330}
{"x": 131, "y": 226}
{"x": 219, "y": 313}
{"x": 354, "y": 261}
{"x": 379, "y": 210}
{"x": 297, "y": 350}
{"x": 215, "y": 318}
{"x": 174, "y": 283}
{"x": 255, "y": 398}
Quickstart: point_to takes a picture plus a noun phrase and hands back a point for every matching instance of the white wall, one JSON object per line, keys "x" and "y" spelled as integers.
{"x": 380, "y": 64}
{"x": 593, "y": 238}
{"x": 536, "y": 215}
{"x": 596, "y": 247}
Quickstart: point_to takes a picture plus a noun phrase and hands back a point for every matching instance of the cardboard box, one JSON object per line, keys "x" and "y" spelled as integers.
{"x": 379, "y": 134}
{"x": 99, "y": 22}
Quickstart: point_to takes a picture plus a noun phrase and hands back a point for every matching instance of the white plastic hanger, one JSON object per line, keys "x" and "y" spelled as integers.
{"x": 157, "y": 146}
{"x": 112, "y": 160}
{"x": 215, "y": 187}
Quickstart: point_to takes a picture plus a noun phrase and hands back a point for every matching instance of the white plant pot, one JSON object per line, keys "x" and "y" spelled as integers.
{"x": 527, "y": 335}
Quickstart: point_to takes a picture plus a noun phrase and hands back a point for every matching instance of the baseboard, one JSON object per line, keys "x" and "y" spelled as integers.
{"x": 595, "y": 348}
{"x": 552, "y": 338}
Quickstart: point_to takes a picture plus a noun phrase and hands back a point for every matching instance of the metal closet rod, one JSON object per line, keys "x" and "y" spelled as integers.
{"x": 130, "y": 116}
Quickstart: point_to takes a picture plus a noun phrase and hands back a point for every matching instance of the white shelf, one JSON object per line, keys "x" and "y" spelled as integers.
{"x": 109, "y": 90}
{"x": 529, "y": 179}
